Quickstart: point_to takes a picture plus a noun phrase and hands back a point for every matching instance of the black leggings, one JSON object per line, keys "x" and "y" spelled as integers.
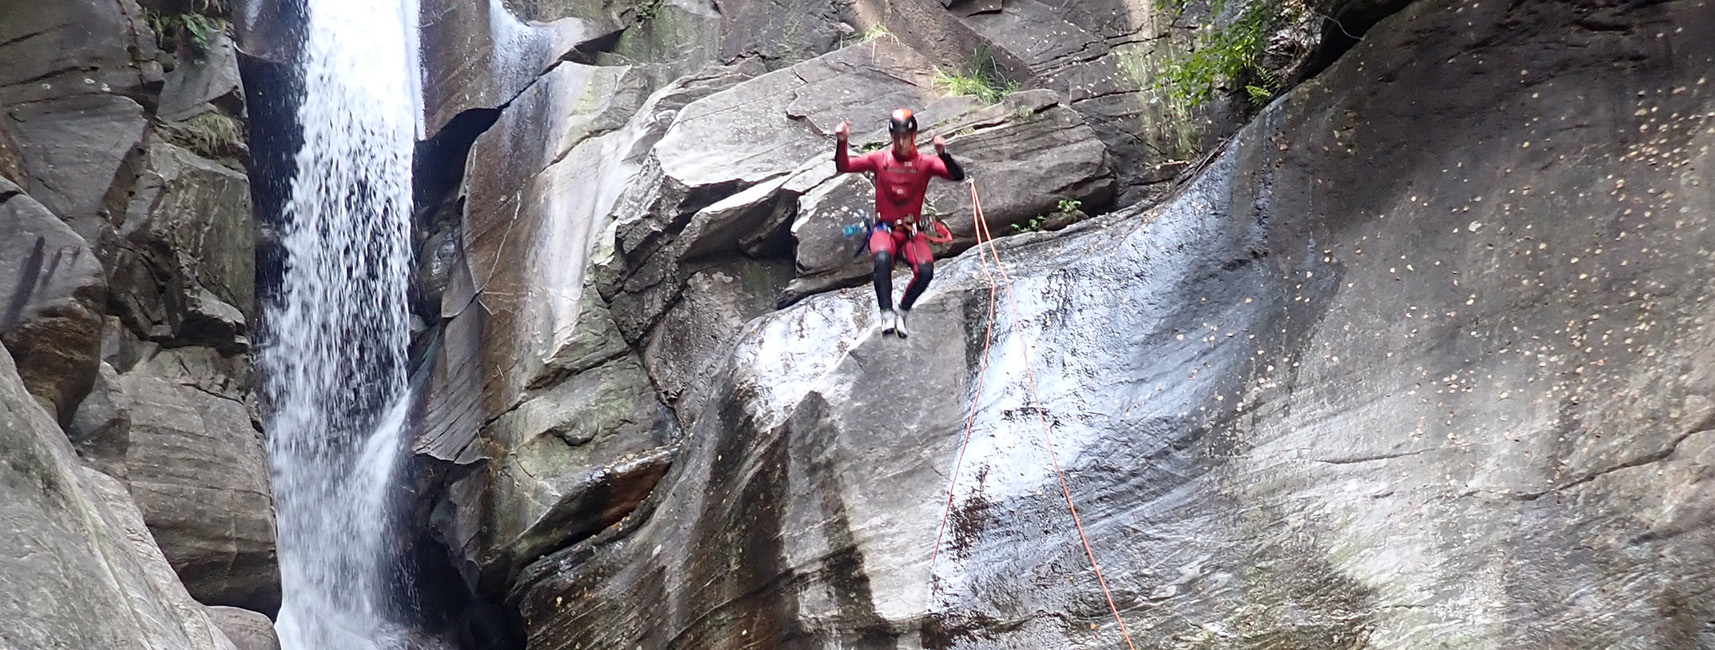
{"x": 920, "y": 277}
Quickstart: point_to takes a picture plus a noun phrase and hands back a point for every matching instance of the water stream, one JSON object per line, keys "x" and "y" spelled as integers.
{"x": 335, "y": 351}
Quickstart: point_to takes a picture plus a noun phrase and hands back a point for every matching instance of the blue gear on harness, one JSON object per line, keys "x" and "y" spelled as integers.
{"x": 866, "y": 228}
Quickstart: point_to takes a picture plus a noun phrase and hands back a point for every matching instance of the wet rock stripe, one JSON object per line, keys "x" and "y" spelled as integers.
{"x": 986, "y": 252}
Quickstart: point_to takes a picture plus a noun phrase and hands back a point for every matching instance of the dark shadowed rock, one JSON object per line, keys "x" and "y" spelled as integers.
{"x": 100, "y": 431}
{"x": 1412, "y": 360}
{"x": 569, "y": 461}
{"x": 77, "y": 565}
{"x": 1107, "y": 59}
{"x": 51, "y": 295}
{"x": 199, "y": 474}
{"x": 686, "y": 349}
{"x": 270, "y": 31}
{"x": 780, "y": 32}
{"x": 246, "y": 629}
{"x": 681, "y": 36}
{"x": 73, "y": 148}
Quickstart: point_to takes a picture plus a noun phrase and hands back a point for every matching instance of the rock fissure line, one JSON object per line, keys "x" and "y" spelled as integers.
{"x": 1654, "y": 457}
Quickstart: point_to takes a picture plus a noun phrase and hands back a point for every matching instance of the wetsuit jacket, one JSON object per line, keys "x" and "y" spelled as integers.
{"x": 899, "y": 184}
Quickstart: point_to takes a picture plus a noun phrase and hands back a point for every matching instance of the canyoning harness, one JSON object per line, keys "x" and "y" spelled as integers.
{"x": 869, "y": 226}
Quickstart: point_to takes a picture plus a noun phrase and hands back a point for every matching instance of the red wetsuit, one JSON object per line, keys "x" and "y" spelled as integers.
{"x": 899, "y": 187}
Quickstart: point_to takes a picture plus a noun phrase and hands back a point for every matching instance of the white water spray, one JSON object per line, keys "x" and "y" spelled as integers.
{"x": 335, "y": 358}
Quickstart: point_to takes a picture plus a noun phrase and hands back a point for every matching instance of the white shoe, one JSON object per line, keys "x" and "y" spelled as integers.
{"x": 899, "y": 323}
{"x": 889, "y": 322}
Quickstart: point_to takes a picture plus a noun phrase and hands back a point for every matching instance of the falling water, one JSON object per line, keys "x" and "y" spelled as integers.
{"x": 335, "y": 354}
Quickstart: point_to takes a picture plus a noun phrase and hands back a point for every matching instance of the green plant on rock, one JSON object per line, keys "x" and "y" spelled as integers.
{"x": 647, "y": 10}
{"x": 1063, "y": 208}
{"x": 212, "y": 134}
{"x": 1230, "y": 55}
{"x": 195, "y": 29}
{"x": 1035, "y": 224}
{"x": 879, "y": 31}
{"x": 984, "y": 82}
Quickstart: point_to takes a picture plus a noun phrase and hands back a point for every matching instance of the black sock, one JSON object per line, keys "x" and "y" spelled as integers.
{"x": 884, "y": 281}
{"x": 920, "y": 277}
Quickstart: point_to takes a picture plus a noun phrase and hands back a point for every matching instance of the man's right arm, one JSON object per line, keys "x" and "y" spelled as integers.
{"x": 843, "y": 162}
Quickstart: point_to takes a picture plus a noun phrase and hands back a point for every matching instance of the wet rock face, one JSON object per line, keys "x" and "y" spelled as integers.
{"x": 533, "y": 387}
{"x": 79, "y": 567}
{"x": 1420, "y": 356}
{"x": 480, "y": 56}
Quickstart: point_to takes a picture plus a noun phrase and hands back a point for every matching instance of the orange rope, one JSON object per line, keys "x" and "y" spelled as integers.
{"x": 982, "y": 373}
{"x": 985, "y": 238}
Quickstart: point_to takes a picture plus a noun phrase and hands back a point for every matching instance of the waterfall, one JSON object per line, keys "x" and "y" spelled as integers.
{"x": 335, "y": 347}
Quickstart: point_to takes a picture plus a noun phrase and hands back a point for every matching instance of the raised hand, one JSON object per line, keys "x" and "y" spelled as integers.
{"x": 842, "y": 130}
{"x": 940, "y": 144}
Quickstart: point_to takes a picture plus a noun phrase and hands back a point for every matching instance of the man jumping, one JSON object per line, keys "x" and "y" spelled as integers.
{"x": 901, "y": 176}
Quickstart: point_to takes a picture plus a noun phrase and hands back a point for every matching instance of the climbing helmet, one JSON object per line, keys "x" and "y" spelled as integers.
{"x": 902, "y": 121}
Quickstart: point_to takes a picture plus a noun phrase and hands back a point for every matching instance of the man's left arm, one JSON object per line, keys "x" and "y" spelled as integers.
{"x": 947, "y": 167}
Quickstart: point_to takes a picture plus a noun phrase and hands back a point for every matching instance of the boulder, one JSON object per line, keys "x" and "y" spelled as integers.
{"x": 1411, "y": 360}
{"x": 185, "y": 267}
{"x": 51, "y": 298}
{"x": 73, "y": 148}
{"x": 78, "y": 568}
{"x": 770, "y": 125}
{"x": 199, "y": 474}
{"x": 246, "y": 629}
{"x": 542, "y": 11}
{"x": 203, "y": 81}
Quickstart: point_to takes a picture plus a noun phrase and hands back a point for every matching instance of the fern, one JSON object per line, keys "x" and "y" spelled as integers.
{"x": 1230, "y": 54}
